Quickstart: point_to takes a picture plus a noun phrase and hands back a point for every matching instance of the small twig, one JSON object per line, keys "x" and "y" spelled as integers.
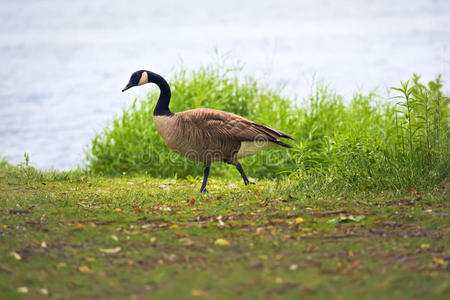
{"x": 20, "y": 211}
{"x": 329, "y": 212}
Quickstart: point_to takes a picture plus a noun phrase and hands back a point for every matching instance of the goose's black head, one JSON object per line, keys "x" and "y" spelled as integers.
{"x": 137, "y": 78}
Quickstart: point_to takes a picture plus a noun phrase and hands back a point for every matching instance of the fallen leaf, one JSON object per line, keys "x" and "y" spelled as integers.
{"x": 61, "y": 265}
{"x": 191, "y": 202}
{"x": 114, "y": 237}
{"x": 173, "y": 226}
{"x": 22, "y": 289}
{"x": 43, "y": 291}
{"x": 186, "y": 242}
{"x": 5, "y": 226}
{"x": 16, "y": 255}
{"x": 152, "y": 240}
{"x": 84, "y": 269}
{"x": 439, "y": 261}
{"x": 425, "y": 246}
{"x": 111, "y": 250}
{"x": 199, "y": 293}
{"x": 293, "y": 267}
{"x": 6, "y": 269}
{"x": 44, "y": 244}
{"x": 221, "y": 242}
{"x": 117, "y": 209}
{"x": 299, "y": 220}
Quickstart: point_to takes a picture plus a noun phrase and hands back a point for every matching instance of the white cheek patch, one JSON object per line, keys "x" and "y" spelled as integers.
{"x": 143, "y": 79}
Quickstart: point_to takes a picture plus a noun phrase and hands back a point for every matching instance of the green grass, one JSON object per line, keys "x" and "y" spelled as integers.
{"x": 365, "y": 142}
{"x": 282, "y": 243}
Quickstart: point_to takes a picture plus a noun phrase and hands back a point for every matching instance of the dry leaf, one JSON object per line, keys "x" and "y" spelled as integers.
{"x": 43, "y": 291}
{"x": 299, "y": 220}
{"x": 111, "y": 250}
{"x": 199, "y": 293}
{"x": 22, "y": 289}
{"x": 439, "y": 261}
{"x": 425, "y": 246}
{"x": 84, "y": 269}
{"x": 191, "y": 202}
{"x": 117, "y": 209}
{"x": 221, "y": 242}
{"x": 173, "y": 226}
{"x": 16, "y": 255}
{"x": 114, "y": 237}
{"x": 44, "y": 244}
{"x": 186, "y": 242}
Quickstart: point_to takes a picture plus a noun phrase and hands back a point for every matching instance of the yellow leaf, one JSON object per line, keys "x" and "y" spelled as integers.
{"x": 199, "y": 293}
{"x": 44, "y": 244}
{"x": 43, "y": 291}
{"x": 350, "y": 253}
{"x": 84, "y": 269}
{"x": 79, "y": 225}
{"x": 114, "y": 237}
{"x": 173, "y": 226}
{"x": 111, "y": 250}
{"x": 152, "y": 239}
{"x": 299, "y": 220}
{"x": 22, "y": 289}
{"x": 221, "y": 242}
{"x": 425, "y": 246}
{"x": 439, "y": 261}
{"x": 5, "y": 226}
{"x": 16, "y": 255}
{"x": 61, "y": 265}
{"x": 117, "y": 209}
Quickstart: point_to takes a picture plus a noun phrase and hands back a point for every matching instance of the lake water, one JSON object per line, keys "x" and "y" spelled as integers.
{"x": 64, "y": 63}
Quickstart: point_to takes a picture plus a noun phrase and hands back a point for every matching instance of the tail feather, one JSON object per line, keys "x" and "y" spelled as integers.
{"x": 282, "y": 144}
{"x": 272, "y": 132}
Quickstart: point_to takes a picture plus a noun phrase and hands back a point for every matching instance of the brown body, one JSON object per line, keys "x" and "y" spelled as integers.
{"x": 209, "y": 135}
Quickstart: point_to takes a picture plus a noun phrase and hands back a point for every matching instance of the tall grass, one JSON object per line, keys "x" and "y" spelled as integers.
{"x": 364, "y": 143}
{"x": 376, "y": 144}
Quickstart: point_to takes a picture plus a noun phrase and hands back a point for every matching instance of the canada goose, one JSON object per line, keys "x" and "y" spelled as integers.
{"x": 207, "y": 135}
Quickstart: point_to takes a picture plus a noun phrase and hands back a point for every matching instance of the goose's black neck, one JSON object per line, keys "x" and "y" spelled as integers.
{"x": 162, "y": 106}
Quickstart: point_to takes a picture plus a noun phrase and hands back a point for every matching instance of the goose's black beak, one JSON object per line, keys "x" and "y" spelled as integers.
{"x": 129, "y": 85}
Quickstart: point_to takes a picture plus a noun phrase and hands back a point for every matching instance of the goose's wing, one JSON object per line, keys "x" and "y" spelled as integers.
{"x": 216, "y": 123}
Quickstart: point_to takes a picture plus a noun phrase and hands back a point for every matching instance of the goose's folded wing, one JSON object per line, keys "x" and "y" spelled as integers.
{"x": 230, "y": 126}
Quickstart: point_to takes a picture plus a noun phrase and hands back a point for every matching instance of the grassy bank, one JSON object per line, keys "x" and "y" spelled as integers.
{"x": 395, "y": 142}
{"x": 69, "y": 235}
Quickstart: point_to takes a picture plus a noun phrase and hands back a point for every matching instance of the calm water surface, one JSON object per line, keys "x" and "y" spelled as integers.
{"x": 63, "y": 63}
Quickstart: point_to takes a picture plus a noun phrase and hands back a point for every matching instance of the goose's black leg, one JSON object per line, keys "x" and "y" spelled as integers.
{"x": 239, "y": 168}
{"x": 205, "y": 179}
